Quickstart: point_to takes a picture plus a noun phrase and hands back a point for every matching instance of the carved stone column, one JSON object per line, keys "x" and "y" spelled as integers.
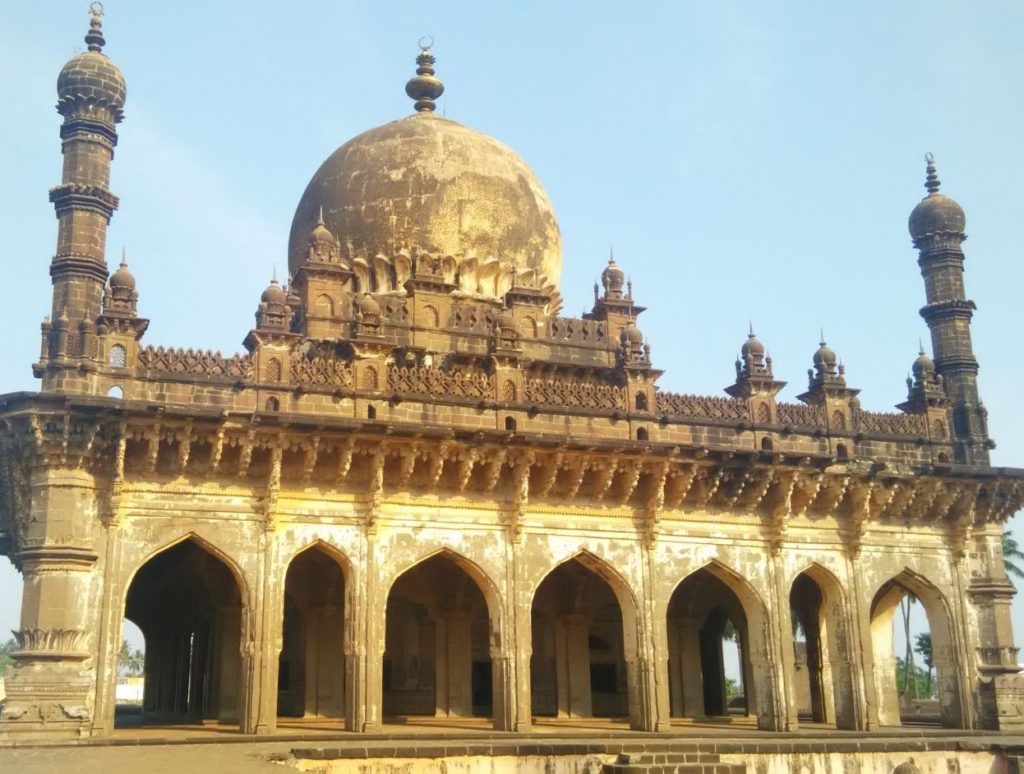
{"x": 999, "y": 700}
{"x": 51, "y": 688}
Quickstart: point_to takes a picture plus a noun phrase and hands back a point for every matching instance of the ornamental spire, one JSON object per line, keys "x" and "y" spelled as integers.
{"x": 424, "y": 87}
{"x": 931, "y": 182}
{"x": 94, "y": 37}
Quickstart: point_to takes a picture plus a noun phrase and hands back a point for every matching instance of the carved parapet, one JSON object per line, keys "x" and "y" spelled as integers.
{"x": 49, "y": 645}
{"x": 1001, "y": 659}
{"x": 705, "y": 406}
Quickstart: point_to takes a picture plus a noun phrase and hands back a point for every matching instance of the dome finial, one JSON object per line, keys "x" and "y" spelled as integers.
{"x": 931, "y": 182}
{"x": 425, "y": 88}
{"x": 124, "y": 256}
{"x": 94, "y": 37}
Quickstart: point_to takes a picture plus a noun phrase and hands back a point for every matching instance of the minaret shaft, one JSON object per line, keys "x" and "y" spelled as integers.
{"x": 937, "y": 227}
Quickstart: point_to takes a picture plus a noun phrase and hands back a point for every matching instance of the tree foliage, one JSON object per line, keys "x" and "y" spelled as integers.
{"x": 1013, "y": 557}
{"x": 6, "y": 649}
{"x": 130, "y": 662}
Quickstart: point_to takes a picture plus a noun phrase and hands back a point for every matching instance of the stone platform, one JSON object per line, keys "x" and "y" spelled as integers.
{"x": 586, "y": 747}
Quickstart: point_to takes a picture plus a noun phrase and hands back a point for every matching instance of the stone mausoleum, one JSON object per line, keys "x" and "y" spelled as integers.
{"x": 421, "y": 490}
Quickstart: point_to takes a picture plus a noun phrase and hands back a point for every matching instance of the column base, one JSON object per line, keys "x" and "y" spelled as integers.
{"x": 47, "y": 701}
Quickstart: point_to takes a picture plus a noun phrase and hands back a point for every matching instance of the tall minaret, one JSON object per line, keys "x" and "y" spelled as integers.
{"x": 90, "y": 97}
{"x": 937, "y": 228}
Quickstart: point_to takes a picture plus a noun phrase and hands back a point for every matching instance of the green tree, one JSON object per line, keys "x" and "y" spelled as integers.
{"x": 923, "y": 645}
{"x": 1013, "y": 557}
{"x": 6, "y": 649}
{"x": 914, "y": 678}
{"x": 130, "y": 662}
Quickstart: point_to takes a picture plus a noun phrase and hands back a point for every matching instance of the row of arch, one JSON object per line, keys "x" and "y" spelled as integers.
{"x": 443, "y": 642}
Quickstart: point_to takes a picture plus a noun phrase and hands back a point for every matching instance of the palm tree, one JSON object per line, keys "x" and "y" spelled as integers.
{"x": 905, "y": 603}
{"x": 1012, "y": 555}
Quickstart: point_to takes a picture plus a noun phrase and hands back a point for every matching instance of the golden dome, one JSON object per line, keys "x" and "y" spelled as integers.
{"x": 429, "y": 183}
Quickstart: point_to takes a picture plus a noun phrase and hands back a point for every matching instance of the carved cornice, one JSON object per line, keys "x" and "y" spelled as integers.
{"x": 127, "y": 445}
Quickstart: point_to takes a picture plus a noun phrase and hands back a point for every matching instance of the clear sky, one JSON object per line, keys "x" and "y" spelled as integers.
{"x": 748, "y": 161}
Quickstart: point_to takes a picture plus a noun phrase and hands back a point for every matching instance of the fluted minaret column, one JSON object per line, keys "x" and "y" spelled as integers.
{"x": 937, "y": 228}
{"x": 90, "y": 97}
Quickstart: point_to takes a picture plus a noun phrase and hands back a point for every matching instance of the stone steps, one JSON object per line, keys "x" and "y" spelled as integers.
{"x": 671, "y": 763}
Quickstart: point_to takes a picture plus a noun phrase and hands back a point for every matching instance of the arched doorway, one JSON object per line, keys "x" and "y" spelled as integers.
{"x": 188, "y": 605}
{"x": 908, "y": 689}
{"x": 823, "y": 679}
{"x": 710, "y": 668}
{"x": 578, "y": 666}
{"x": 437, "y": 658}
{"x": 311, "y": 669}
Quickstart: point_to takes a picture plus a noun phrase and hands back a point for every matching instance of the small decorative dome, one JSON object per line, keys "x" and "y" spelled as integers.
{"x": 506, "y": 320}
{"x": 368, "y": 307}
{"x": 923, "y": 366}
{"x": 752, "y": 346}
{"x": 321, "y": 235}
{"x": 122, "y": 278}
{"x": 613, "y": 277}
{"x": 91, "y": 76}
{"x": 935, "y": 213}
{"x": 274, "y": 294}
{"x": 824, "y": 355}
{"x": 632, "y": 334}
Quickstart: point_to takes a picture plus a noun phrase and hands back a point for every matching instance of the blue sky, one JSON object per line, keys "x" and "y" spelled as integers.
{"x": 747, "y": 161}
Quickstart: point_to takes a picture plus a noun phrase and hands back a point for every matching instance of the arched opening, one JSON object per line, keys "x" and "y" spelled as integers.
{"x": 841, "y": 452}
{"x": 131, "y": 664}
{"x": 916, "y": 676}
{"x": 437, "y": 658}
{"x": 766, "y": 444}
{"x": 641, "y": 434}
{"x": 273, "y": 404}
{"x": 116, "y": 392}
{"x": 717, "y": 651}
{"x": 510, "y": 424}
{"x": 578, "y": 666}
{"x": 188, "y": 606}
{"x": 822, "y": 675}
{"x": 311, "y": 669}
{"x": 371, "y": 412}
{"x": 641, "y": 401}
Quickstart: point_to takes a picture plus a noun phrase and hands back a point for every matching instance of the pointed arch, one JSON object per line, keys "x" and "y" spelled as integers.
{"x": 335, "y": 553}
{"x": 488, "y": 587}
{"x": 191, "y": 601}
{"x": 316, "y": 633}
{"x": 941, "y": 623}
{"x": 621, "y": 587}
{"x": 207, "y": 545}
{"x": 749, "y": 597}
{"x": 584, "y": 641}
{"x": 817, "y": 601}
{"x": 698, "y": 611}
{"x": 443, "y": 617}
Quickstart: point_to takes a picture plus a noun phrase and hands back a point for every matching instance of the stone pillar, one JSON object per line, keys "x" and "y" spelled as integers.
{"x": 503, "y": 689}
{"x": 369, "y": 663}
{"x": 999, "y": 699}
{"x": 522, "y": 654}
{"x": 457, "y": 662}
{"x": 577, "y": 666}
{"x": 691, "y": 674}
{"x": 50, "y": 690}
{"x": 229, "y": 672}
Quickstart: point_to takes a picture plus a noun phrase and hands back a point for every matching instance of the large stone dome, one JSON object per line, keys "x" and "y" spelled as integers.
{"x": 429, "y": 183}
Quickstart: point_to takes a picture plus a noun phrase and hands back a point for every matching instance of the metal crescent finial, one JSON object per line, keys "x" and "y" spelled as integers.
{"x": 96, "y": 8}
{"x": 426, "y": 42}
{"x": 929, "y": 158}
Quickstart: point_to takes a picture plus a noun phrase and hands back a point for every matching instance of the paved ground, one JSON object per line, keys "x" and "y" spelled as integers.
{"x": 198, "y": 749}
